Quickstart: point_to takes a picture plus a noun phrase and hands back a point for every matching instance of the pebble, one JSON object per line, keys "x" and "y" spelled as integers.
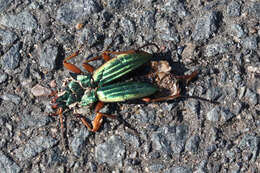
{"x": 11, "y": 59}
{"x": 156, "y": 167}
{"x": 11, "y": 97}
{"x": 226, "y": 114}
{"x": 48, "y": 54}
{"x": 254, "y": 9}
{"x": 175, "y": 6}
{"x": 215, "y": 49}
{"x": 4, "y": 4}
{"x": 88, "y": 36}
{"x": 74, "y": 11}
{"x": 33, "y": 120}
{"x": 213, "y": 115}
{"x": 178, "y": 169}
{"x": 131, "y": 139}
{"x": 237, "y": 31}
{"x": 205, "y": 26}
{"x": 250, "y": 142}
{"x": 24, "y": 21}
{"x": 7, "y": 38}
{"x": 146, "y": 116}
{"x": 34, "y": 146}
{"x": 117, "y": 4}
{"x": 8, "y": 165}
{"x": 170, "y": 139}
{"x": 128, "y": 27}
{"x": 167, "y": 32}
{"x": 234, "y": 9}
{"x": 251, "y": 97}
{"x": 192, "y": 144}
{"x": 79, "y": 140}
{"x": 39, "y": 90}
{"x": 3, "y": 77}
{"x": 194, "y": 106}
{"x": 250, "y": 42}
{"x": 111, "y": 152}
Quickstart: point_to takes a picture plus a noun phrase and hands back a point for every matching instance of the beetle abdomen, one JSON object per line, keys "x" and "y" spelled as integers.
{"x": 125, "y": 91}
{"x": 119, "y": 66}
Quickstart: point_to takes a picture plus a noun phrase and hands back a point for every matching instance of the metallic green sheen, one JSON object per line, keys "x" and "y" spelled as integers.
{"x": 119, "y": 92}
{"x": 119, "y": 66}
{"x": 76, "y": 88}
{"x": 88, "y": 98}
{"x": 85, "y": 80}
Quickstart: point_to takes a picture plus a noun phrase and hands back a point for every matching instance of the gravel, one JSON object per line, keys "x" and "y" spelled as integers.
{"x": 220, "y": 38}
{"x": 7, "y": 165}
{"x": 11, "y": 59}
{"x": 24, "y": 21}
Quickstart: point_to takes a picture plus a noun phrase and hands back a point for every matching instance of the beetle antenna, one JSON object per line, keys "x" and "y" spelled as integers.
{"x": 200, "y": 98}
{"x": 150, "y": 44}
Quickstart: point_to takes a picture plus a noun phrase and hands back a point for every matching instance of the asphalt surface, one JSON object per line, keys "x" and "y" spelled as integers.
{"x": 219, "y": 38}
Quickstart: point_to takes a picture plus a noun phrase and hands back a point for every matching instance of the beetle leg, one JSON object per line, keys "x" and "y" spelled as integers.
{"x": 172, "y": 97}
{"x": 188, "y": 78}
{"x": 70, "y": 66}
{"x": 99, "y": 106}
{"x": 96, "y": 122}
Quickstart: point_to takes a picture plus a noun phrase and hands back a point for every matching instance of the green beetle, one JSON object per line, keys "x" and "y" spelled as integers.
{"x": 89, "y": 88}
{"x": 86, "y": 89}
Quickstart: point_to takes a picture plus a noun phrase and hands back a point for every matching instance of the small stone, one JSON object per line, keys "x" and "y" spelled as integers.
{"x": 78, "y": 142}
{"x": 147, "y": 19}
{"x": 205, "y": 26}
{"x": 22, "y": 21}
{"x": 11, "y": 97}
{"x": 156, "y": 167}
{"x": 34, "y": 146}
{"x": 214, "y": 93}
{"x": 128, "y": 27}
{"x": 170, "y": 139}
{"x": 194, "y": 106}
{"x": 39, "y": 90}
{"x": 214, "y": 114}
{"x": 111, "y": 152}
{"x": 117, "y": 4}
{"x": 48, "y": 54}
{"x": 251, "y": 96}
{"x": 88, "y": 36}
{"x": 226, "y": 114}
{"x": 74, "y": 11}
{"x": 234, "y": 9}
{"x": 11, "y": 59}
{"x": 215, "y": 49}
{"x": 189, "y": 51}
{"x": 131, "y": 139}
{"x": 178, "y": 169}
{"x": 193, "y": 144}
{"x": 53, "y": 84}
{"x": 4, "y": 4}
{"x": 254, "y": 9}
{"x": 250, "y": 142}
{"x": 8, "y": 165}
{"x": 210, "y": 149}
{"x": 250, "y": 42}
{"x": 167, "y": 32}
{"x": 33, "y": 120}
{"x": 237, "y": 31}
{"x": 175, "y": 6}
{"x": 7, "y": 38}
{"x": 146, "y": 116}
{"x": 3, "y": 77}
